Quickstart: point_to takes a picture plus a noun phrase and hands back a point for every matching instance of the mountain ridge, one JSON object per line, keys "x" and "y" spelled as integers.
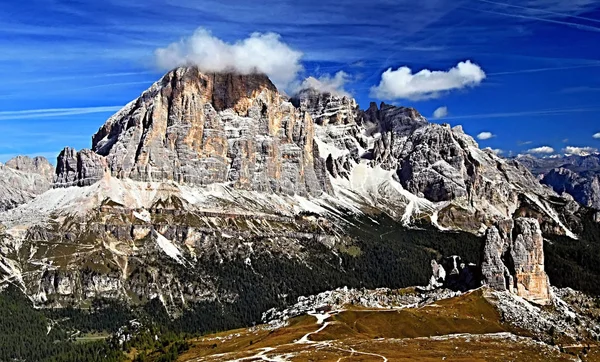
{"x": 177, "y": 184}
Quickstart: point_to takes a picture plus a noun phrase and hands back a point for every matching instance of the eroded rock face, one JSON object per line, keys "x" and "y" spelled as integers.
{"x": 326, "y": 108}
{"x": 513, "y": 259}
{"x": 198, "y": 129}
{"x": 434, "y": 162}
{"x": 81, "y": 168}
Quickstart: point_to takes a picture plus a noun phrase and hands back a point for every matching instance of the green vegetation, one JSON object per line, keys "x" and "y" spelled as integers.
{"x": 381, "y": 254}
{"x": 26, "y": 335}
{"x": 575, "y": 263}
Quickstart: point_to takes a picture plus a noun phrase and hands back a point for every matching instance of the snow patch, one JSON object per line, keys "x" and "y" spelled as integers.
{"x": 168, "y": 247}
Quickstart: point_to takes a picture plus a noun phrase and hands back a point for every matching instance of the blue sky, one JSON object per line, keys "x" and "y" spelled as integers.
{"x": 66, "y": 66}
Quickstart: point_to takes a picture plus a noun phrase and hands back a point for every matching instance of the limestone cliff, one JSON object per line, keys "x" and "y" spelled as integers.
{"x": 199, "y": 129}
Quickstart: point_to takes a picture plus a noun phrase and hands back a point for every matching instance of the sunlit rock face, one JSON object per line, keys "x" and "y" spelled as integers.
{"x": 513, "y": 259}
{"x": 198, "y": 129}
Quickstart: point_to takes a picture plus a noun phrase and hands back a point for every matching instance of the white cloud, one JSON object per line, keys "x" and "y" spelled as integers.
{"x": 440, "y": 112}
{"x": 497, "y": 151}
{"x": 260, "y": 52}
{"x": 328, "y": 84}
{"x": 597, "y": 135}
{"x": 541, "y": 150}
{"x": 579, "y": 151}
{"x": 426, "y": 84}
{"x": 485, "y": 136}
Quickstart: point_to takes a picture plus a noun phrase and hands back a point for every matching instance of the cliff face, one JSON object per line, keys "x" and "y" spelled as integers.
{"x": 199, "y": 129}
{"x": 81, "y": 168}
{"x": 513, "y": 259}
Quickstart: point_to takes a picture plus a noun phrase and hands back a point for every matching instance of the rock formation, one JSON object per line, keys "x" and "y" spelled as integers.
{"x": 326, "y": 108}
{"x": 81, "y": 168}
{"x": 513, "y": 259}
{"x": 438, "y": 275}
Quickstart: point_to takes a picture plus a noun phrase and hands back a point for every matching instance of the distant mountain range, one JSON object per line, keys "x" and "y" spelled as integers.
{"x": 578, "y": 176}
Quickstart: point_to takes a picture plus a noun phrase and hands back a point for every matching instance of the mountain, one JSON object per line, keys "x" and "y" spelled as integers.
{"x": 217, "y": 198}
{"x": 578, "y": 176}
{"x": 22, "y": 178}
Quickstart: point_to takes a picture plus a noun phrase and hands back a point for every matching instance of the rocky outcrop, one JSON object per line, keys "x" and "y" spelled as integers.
{"x": 38, "y": 164}
{"x": 513, "y": 259}
{"x": 200, "y": 129}
{"x": 435, "y": 163}
{"x": 81, "y": 168}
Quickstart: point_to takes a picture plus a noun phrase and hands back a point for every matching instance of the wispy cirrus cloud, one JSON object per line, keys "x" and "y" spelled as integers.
{"x": 558, "y": 12}
{"x": 54, "y": 112}
{"x": 546, "y": 112}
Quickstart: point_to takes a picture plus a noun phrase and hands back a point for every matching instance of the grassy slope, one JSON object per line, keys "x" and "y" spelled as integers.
{"x": 359, "y": 334}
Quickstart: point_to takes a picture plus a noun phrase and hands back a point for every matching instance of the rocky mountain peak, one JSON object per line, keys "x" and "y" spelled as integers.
{"x": 197, "y": 128}
{"x": 39, "y": 165}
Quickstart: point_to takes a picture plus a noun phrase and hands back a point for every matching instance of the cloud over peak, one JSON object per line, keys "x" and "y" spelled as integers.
{"x": 260, "y": 52}
{"x": 579, "y": 151}
{"x": 328, "y": 84}
{"x": 596, "y": 135}
{"x": 426, "y": 84}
